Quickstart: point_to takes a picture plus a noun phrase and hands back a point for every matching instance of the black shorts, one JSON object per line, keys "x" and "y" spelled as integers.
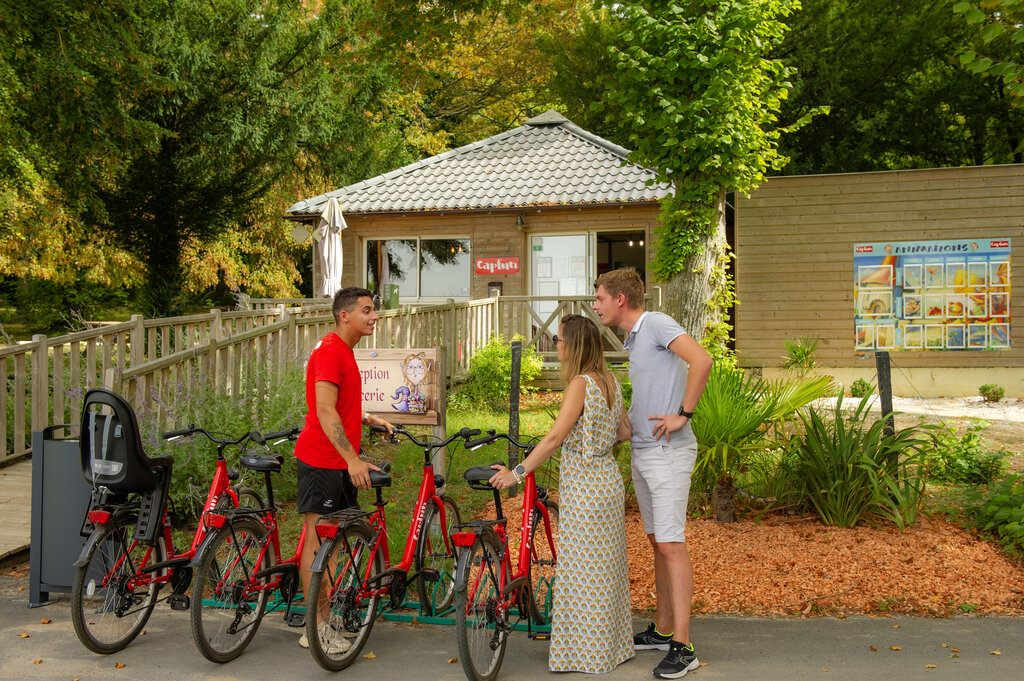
{"x": 324, "y": 490}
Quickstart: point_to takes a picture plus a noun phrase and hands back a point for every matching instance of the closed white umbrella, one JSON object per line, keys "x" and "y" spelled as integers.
{"x": 329, "y": 234}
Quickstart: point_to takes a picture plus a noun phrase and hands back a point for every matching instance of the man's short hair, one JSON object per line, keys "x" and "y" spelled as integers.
{"x": 346, "y": 299}
{"x": 626, "y": 281}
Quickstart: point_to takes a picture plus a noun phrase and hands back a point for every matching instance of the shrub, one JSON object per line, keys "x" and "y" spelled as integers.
{"x": 963, "y": 459}
{"x": 278, "y": 405}
{"x": 1001, "y": 511}
{"x": 849, "y": 469}
{"x": 490, "y": 373}
{"x": 861, "y": 388}
{"x": 991, "y": 392}
{"x": 799, "y": 357}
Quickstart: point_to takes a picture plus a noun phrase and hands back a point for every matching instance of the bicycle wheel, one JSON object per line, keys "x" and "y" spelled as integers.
{"x": 481, "y": 621}
{"x": 111, "y": 599}
{"x": 435, "y": 551}
{"x": 227, "y": 603}
{"x": 247, "y": 498}
{"x": 336, "y": 639}
{"x": 542, "y": 564}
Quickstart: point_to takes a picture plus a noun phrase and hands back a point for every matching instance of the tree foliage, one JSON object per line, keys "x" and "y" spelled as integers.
{"x": 698, "y": 94}
{"x": 1002, "y": 38}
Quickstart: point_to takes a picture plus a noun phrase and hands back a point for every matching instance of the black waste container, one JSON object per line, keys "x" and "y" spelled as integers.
{"x": 60, "y": 500}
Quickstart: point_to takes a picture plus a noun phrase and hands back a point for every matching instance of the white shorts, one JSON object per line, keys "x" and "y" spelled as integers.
{"x": 661, "y": 481}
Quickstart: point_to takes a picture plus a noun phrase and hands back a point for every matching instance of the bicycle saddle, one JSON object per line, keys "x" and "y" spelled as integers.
{"x": 256, "y": 462}
{"x": 380, "y": 479}
{"x": 480, "y": 474}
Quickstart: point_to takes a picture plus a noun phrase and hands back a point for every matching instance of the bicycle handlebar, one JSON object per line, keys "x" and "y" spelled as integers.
{"x": 464, "y": 433}
{"x": 289, "y": 434}
{"x": 492, "y": 436}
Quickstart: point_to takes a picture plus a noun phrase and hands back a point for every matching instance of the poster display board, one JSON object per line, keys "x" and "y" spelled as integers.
{"x": 402, "y": 386}
{"x": 932, "y": 295}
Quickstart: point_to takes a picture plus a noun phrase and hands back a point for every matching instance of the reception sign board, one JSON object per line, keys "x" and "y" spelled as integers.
{"x": 932, "y": 295}
{"x": 402, "y": 386}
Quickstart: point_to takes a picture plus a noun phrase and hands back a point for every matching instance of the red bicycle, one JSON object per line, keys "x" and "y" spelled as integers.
{"x": 353, "y": 568}
{"x": 492, "y": 588}
{"x": 129, "y": 554}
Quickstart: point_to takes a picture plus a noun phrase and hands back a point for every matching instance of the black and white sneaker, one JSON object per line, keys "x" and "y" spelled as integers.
{"x": 680, "y": 659}
{"x": 650, "y": 639}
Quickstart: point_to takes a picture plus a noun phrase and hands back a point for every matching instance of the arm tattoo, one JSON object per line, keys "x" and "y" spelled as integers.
{"x": 340, "y": 439}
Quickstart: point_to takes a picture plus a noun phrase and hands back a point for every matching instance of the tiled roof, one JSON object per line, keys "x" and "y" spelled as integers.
{"x": 546, "y": 161}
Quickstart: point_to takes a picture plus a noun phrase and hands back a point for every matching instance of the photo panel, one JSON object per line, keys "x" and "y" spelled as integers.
{"x": 875, "y": 303}
{"x": 912, "y": 306}
{"x": 956, "y": 305}
{"x": 999, "y": 273}
{"x": 977, "y": 305}
{"x": 913, "y": 276}
{"x": 977, "y": 336}
{"x": 999, "y": 335}
{"x": 956, "y": 274}
{"x": 998, "y": 304}
{"x": 934, "y": 305}
{"x": 934, "y": 275}
{"x": 865, "y": 337}
{"x": 955, "y": 336}
{"x": 913, "y": 337}
{"x": 977, "y": 274}
{"x": 934, "y": 336}
{"x": 885, "y": 336}
{"x": 874, "y": 275}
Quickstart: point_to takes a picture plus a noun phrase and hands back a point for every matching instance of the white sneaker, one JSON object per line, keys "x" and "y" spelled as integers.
{"x": 331, "y": 642}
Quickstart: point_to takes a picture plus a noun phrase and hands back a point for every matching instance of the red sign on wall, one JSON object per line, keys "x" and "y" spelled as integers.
{"x": 497, "y": 265}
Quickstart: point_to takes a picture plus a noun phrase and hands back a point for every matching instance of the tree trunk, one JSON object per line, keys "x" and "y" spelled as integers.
{"x": 723, "y": 501}
{"x": 688, "y": 296}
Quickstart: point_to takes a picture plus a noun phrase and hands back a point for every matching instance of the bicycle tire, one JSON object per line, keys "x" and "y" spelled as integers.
{"x": 108, "y": 618}
{"x": 247, "y": 498}
{"x": 224, "y": 617}
{"x": 350, "y": 617}
{"x": 433, "y": 553}
{"x": 481, "y": 622}
{"x": 543, "y": 558}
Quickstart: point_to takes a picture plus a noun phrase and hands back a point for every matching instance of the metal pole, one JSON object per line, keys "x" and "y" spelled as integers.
{"x": 513, "y": 409}
{"x": 885, "y": 391}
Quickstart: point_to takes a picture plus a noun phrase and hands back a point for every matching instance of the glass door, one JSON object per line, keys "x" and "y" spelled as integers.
{"x": 560, "y": 266}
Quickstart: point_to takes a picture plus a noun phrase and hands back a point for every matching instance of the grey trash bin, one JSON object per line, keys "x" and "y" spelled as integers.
{"x": 60, "y": 500}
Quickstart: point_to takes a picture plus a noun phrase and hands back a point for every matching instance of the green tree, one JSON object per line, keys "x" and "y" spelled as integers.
{"x": 898, "y": 96}
{"x": 697, "y": 93}
{"x": 1002, "y": 36}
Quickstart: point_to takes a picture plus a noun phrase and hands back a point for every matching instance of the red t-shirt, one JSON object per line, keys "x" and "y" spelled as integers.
{"x": 331, "y": 360}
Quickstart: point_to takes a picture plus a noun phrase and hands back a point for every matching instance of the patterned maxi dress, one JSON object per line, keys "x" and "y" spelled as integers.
{"x": 591, "y": 628}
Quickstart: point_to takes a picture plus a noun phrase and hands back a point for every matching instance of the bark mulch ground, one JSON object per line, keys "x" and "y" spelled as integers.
{"x": 797, "y": 566}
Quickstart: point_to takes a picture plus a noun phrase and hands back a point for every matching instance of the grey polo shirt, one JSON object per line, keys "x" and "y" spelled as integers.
{"x": 658, "y": 377}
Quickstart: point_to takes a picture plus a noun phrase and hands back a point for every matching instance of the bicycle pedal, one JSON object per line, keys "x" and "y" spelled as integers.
{"x": 540, "y": 635}
{"x": 178, "y": 601}
{"x": 296, "y": 619}
{"x": 430, "y": 575}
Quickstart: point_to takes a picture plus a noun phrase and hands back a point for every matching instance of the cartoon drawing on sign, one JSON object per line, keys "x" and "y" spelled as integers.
{"x": 414, "y": 369}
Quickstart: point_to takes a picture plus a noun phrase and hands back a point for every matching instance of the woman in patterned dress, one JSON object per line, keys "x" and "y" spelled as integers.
{"x": 591, "y": 628}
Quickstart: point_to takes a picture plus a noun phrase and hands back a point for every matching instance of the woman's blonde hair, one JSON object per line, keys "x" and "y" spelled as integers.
{"x": 583, "y": 353}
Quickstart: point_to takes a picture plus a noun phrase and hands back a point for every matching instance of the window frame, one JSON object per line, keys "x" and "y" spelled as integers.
{"x": 418, "y": 256}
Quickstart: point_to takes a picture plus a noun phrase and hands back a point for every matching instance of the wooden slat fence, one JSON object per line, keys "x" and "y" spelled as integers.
{"x": 243, "y": 351}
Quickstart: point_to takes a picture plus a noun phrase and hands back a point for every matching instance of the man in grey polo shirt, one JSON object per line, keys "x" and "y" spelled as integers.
{"x": 668, "y": 370}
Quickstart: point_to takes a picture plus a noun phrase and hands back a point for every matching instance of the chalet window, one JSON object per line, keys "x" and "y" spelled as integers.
{"x": 419, "y": 268}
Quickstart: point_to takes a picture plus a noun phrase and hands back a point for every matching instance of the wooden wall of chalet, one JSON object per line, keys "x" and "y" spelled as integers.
{"x": 493, "y": 234}
{"x": 794, "y": 249}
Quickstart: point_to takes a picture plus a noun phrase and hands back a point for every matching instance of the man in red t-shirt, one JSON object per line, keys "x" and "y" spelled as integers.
{"x": 329, "y": 467}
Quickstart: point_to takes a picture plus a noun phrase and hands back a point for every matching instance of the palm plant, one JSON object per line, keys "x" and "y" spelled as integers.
{"x": 849, "y": 467}
{"x": 734, "y": 418}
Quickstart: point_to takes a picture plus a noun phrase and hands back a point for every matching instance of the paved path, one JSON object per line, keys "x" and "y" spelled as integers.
{"x": 15, "y": 508}
{"x": 732, "y": 647}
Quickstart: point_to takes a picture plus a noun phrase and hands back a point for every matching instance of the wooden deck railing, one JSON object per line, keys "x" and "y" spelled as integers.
{"x": 45, "y": 379}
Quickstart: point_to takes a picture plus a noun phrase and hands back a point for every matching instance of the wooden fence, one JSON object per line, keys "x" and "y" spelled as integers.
{"x": 244, "y": 352}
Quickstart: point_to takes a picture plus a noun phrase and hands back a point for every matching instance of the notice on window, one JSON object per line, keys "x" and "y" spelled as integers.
{"x": 932, "y": 295}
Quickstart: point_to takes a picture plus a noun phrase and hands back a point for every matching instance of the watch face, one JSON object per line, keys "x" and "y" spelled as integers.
{"x": 520, "y": 469}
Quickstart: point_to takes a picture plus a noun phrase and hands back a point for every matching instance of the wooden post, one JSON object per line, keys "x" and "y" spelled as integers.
{"x": 885, "y": 390}
{"x": 513, "y": 410}
{"x": 441, "y": 429}
{"x": 40, "y": 383}
{"x": 216, "y": 331}
{"x": 138, "y": 340}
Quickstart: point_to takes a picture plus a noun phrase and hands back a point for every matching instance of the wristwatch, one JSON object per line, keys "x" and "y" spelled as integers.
{"x": 519, "y": 472}
{"x": 683, "y": 412}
